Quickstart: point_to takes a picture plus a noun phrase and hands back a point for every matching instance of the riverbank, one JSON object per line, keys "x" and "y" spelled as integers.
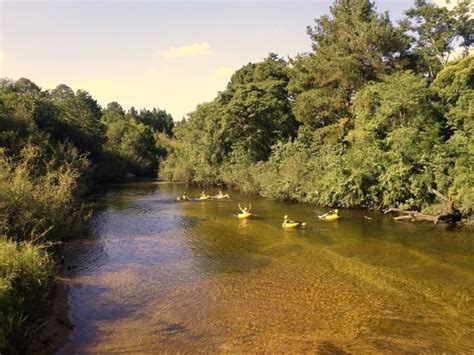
{"x": 42, "y": 204}
{"x": 52, "y": 331}
{"x": 428, "y": 214}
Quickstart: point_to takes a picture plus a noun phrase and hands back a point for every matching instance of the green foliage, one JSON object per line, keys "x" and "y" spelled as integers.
{"x": 130, "y": 141}
{"x": 355, "y": 44}
{"x": 158, "y": 120}
{"x": 195, "y": 154}
{"x": 44, "y": 206}
{"x": 374, "y": 129}
{"x": 454, "y": 85}
{"x": 255, "y": 110}
{"x": 115, "y": 142}
{"x": 26, "y": 276}
{"x": 51, "y": 145}
{"x": 250, "y": 116}
{"x": 351, "y": 46}
{"x": 320, "y": 107}
{"x": 434, "y": 31}
{"x": 79, "y": 121}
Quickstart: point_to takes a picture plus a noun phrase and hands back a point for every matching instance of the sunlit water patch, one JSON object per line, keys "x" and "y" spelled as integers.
{"x": 154, "y": 275}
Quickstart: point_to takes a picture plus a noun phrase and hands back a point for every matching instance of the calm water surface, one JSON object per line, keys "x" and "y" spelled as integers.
{"x": 160, "y": 276}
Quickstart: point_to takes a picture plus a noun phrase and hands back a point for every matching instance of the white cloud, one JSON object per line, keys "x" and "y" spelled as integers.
{"x": 193, "y": 50}
{"x": 223, "y": 73}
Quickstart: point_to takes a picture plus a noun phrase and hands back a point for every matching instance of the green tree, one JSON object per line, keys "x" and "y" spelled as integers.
{"x": 158, "y": 120}
{"x": 130, "y": 141}
{"x": 79, "y": 121}
{"x": 435, "y": 31}
{"x": 454, "y": 85}
{"x": 351, "y": 46}
{"x": 195, "y": 154}
{"x": 398, "y": 129}
{"x": 256, "y": 111}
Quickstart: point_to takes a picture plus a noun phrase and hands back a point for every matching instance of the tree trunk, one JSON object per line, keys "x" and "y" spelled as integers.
{"x": 449, "y": 215}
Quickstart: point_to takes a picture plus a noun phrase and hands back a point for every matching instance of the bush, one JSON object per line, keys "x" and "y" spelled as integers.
{"x": 39, "y": 207}
{"x": 26, "y": 276}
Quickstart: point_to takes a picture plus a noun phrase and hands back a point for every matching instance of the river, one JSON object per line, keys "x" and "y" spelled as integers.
{"x": 155, "y": 275}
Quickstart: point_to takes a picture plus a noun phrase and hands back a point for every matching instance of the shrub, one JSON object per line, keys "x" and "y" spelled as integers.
{"x": 39, "y": 207}
{"x": 26, "y": 276}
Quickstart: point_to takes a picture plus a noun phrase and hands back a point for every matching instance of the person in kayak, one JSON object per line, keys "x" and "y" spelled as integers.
{"x": 330, "y": 213}
{"x": 286, "y": 220}
{"x": 203, "y": 195}
{"x": 246, "y": 209}
{"x": 222, "y": 195}
{"x": 183, "y": 198}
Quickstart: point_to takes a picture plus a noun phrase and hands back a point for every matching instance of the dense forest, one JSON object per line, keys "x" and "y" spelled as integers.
{"x": 377, "y": 115}
{"x": 53, "y": 146}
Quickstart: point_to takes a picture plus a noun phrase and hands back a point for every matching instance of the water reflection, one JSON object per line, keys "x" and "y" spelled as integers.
{"x": 160, "y": 276}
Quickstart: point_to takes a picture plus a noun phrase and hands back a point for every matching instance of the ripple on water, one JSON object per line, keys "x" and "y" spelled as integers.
{"x": 159, "y": 276}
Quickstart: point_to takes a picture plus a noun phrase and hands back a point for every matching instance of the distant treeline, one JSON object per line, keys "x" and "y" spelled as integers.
{"x": 53, "y": 144}
{"x": 377, "y": 115}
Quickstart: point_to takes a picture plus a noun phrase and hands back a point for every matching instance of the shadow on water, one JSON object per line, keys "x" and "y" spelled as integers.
{"x": 86, "y": 328}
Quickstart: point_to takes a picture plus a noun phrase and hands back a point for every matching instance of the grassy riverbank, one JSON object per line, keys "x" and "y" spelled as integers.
{"x": 38, "y": 211}
{"x": 53, "y": 146}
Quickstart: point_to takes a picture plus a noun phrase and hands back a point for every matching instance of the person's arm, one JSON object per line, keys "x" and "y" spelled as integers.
{"x": 250, "y": 206}
{"x": 241, "y": 209}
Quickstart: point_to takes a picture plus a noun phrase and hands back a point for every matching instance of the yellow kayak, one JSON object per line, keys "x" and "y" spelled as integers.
{"x": 244, "y": 215}
{"x": 204, "y": 197}
{"x": 330, "y": 217}
{"x": 293, "y": 225}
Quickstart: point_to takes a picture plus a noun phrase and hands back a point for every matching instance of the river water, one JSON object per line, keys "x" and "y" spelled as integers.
{"x": 155, "y": 275}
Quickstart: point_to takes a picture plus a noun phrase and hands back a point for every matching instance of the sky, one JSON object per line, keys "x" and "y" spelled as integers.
{"x": 171, "y": 55}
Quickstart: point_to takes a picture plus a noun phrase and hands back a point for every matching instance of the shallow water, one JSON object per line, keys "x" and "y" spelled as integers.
{"x": 155, "y": 275}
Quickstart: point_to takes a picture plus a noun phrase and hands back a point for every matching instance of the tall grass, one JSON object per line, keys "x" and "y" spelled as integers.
{"x": 26, "y": 276}
{"x": 39, "y": 200}
{"x": 40, "y": 204}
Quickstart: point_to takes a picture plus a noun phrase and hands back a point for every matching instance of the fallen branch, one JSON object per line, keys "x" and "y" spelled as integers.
{"x": 449, "y": 215}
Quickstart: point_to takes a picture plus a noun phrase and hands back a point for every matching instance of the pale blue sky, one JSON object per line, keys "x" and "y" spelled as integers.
{"x": 172, "y": 55}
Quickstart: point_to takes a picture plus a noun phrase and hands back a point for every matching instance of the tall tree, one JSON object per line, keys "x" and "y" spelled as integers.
{"x": 454, "y": 85}
{"x": 435, "y": 31}
{"x": 158, "y": 120}
{"x": 256, "y": 110}
{"x": 80, "y": 121}
{"x": 351, "y": 46}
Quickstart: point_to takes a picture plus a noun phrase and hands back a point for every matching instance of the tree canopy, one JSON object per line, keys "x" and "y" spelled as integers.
{"x": 376, "y": 115}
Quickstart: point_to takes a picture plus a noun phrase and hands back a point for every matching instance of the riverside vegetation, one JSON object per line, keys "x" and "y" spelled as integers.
{"x": 53, "y": 145}
{"x": 377, "y": 115}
